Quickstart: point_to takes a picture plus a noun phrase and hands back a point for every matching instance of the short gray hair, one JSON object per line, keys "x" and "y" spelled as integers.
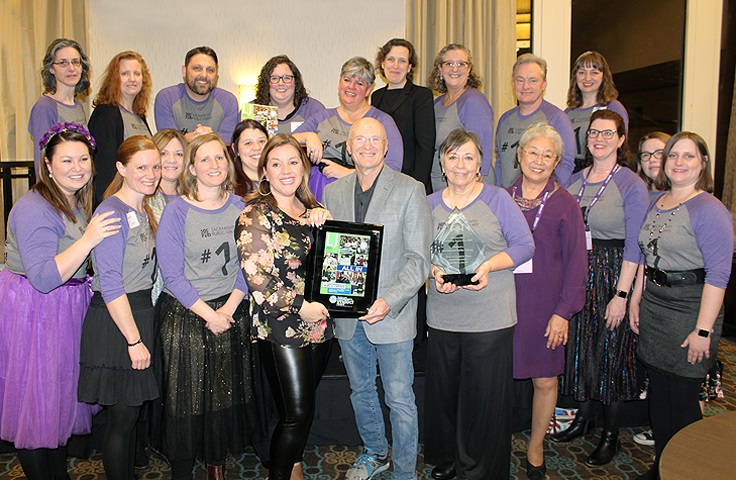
{"x": 358, "y": 67}
{"x": 531, "y": 58}
{"x": 542, "y": 129}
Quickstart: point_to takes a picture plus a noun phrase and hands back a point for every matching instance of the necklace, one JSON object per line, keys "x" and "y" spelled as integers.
{"x": 654, "y": 241}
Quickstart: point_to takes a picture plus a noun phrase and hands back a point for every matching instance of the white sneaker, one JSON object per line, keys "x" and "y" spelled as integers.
{"x": 367, "y": 466}
{"x": 645, "y": 438}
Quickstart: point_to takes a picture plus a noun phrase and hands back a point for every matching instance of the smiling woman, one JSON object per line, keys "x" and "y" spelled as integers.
{"x": 120, "y": 112}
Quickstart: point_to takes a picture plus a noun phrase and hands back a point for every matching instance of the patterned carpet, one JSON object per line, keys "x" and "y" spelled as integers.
{"x": 331, "y": 462}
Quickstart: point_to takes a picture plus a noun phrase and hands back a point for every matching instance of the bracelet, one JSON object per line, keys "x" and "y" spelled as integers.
{"x": 140, "y": 340}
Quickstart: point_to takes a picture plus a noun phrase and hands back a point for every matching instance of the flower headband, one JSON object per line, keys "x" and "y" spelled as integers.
{"x": 58, "y": 128}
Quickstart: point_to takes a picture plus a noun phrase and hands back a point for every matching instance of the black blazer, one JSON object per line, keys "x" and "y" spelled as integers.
{"x": 106, "y": 126}
{"x": 414, "y": 116}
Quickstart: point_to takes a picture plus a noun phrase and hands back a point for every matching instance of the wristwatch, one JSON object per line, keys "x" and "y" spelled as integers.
{"x": 703, "y": 332}
{"x": 622, "y": 294}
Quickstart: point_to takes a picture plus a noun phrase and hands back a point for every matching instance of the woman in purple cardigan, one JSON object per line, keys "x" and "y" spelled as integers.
{"x": 460, "y": 105}
{"x": 551, "y": 288}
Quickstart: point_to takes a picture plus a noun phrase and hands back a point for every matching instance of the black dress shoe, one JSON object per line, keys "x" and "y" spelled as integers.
{"x": 605, "y": 451}
{"x": 445, "y": 471}
{"x": 578, "y": 428}
{"x": 536, "y": 473}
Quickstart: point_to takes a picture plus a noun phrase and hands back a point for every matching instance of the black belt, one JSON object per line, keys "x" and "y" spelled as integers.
{"x": 675, "y": 279}
{"x": 613, "y": 243}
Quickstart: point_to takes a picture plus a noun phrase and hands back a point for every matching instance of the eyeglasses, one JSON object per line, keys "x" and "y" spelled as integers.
{"x": 460, "y": 65}
{"x": 287, "y": 79}
{"x": 65, "y": 63}
{"x": 607, "y": 134}
{"x": 647, "y": 156}
{"x": 535, "y": 155}
{"x": 358, "y": 141}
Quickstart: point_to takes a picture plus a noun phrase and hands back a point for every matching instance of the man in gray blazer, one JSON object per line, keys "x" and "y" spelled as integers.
{"x": 375, "y": 194}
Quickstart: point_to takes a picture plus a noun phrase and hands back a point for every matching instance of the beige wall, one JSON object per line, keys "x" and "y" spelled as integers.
{"x": 318, "y": 35}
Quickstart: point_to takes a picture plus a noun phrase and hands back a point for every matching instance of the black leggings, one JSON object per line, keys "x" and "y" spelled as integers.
{"x": 43, "y": 463}
{"x": 293, "y": 374}
{"x": 118, "y": 445}
{"x": 673, "y": 405}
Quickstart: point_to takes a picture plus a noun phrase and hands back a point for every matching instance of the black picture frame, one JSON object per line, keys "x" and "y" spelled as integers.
{"x": 344, "y": 266}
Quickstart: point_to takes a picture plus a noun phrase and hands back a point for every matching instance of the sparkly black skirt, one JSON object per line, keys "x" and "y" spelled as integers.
{"x": 600, "y": 364}
{"x": 206, "y": 384}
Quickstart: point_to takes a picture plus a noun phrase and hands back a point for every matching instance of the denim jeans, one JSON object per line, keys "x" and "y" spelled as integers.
{"x": 397, "y": 376}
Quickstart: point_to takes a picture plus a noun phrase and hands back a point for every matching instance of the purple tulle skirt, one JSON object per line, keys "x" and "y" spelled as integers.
{"x": 39, "y": 362}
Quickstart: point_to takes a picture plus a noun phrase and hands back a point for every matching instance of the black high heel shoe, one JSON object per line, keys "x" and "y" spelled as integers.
{"x": 536, "y": 473}
{"x": 605, "y": 451}
{"x": 578, "y": 428}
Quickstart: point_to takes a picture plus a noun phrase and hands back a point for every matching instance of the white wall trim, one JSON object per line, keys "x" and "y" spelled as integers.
{"x": 702, "y": 63}
{"x": 551, "y": 37}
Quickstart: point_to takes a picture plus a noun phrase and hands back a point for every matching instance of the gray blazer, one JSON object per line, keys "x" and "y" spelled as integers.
{"x": 400, "y": 205}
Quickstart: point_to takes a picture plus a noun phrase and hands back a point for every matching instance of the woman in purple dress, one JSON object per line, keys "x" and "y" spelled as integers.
{"x": 550, "y": 288}
{"x": 45, "y": 295}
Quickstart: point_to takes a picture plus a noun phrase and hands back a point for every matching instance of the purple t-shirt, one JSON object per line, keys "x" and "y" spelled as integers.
{"x": 510, "y": 127}
{"x": 124, "y": 262}
{"x": 198, "y": 256}
{"x": 333, "y": 131}
{"x": 46, "y": 112}
{"x": 498, "y": 221}
{"x": 175, "y": 109}
{"x": 697, "y": 234}
{"x": 36, "y": 234}
{"x": 309, "y": 107}
{"x": 475, "y": 114}
{"x": 620, "y": 211}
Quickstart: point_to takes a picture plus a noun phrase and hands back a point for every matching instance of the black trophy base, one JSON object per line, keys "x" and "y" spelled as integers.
{"x": 460, "y": 279}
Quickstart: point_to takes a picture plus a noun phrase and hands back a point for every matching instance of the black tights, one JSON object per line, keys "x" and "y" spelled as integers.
{"x": 44, "y": 463}
{"x": 293, "y": 374}
{"x": 118, "y": 445}
{"x": 611, "y": 414}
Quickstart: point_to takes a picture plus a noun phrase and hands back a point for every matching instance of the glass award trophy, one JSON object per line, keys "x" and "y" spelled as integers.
{"x": 458, "y": 250}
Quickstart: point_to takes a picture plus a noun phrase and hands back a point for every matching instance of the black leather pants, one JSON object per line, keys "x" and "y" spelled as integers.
{"x": 293, "y": 374}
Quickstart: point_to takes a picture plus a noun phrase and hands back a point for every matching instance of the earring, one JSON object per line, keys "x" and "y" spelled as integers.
{"x": 444, "y": 177}
{"x": 51, "y": 175}
{"x": 264, "y": 182}
{"x": 477, "y": 174}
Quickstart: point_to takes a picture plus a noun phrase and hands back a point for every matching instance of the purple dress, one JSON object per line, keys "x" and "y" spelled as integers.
{"x": 41, "y": 325}
{"x": 556, "y": 284}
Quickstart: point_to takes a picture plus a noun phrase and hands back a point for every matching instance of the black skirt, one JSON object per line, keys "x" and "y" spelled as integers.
{"x": 206, "y": 385}
{"x": 667, "y": 316}
{"x": 600, "y": 364}
{"x": 106, "y": 375}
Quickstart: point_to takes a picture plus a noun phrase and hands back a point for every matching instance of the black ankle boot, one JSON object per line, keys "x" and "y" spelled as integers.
{"x": 578, "y": 428}
{"x": 605, "y": 451}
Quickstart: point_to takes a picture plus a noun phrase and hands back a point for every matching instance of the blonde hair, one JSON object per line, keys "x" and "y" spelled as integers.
{"x": 187, "y": 180}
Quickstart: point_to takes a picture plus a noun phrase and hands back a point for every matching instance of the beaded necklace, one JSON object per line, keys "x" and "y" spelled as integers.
{"x": 654, "y": 241}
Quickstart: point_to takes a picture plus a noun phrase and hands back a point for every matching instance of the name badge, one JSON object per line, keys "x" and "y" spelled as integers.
{"x": 132, "y": 219}
{"x": 525, "y": 267}
{"x": 588, "y": 239}
{"x": 295, "y": 125}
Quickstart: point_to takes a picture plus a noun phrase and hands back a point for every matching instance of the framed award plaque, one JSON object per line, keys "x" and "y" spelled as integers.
{"x": 343, "y": 267}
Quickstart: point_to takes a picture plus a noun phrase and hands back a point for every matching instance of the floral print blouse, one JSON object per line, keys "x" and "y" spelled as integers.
{"x": 273, "y": 250}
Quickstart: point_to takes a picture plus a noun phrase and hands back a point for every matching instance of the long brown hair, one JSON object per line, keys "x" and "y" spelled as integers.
{"x": 50, "y": 191}
{"x": 129, "y": 147}
{"x": 188, "y": 182}
{"x": 244, "y": 184}
{"x": 606, "y": 92}
{"x": 705, "y": 180}
{"x": 303, "y": 194}
{"x": 110, "y": 93}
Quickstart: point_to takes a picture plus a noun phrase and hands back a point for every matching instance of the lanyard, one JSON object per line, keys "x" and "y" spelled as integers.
{"x": 579, "y": 196}
{"x": 541, "y": 207}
